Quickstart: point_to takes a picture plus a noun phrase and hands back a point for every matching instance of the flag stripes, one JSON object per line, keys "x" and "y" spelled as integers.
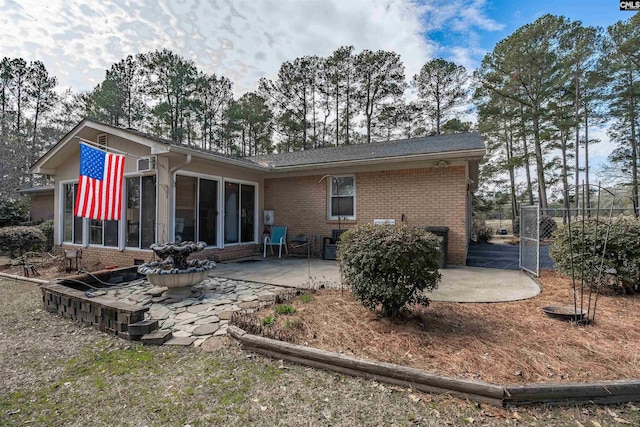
{"x": 100, "y": 184}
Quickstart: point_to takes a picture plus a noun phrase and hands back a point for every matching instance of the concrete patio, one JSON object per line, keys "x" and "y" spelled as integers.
{"x": 459, "y": 284}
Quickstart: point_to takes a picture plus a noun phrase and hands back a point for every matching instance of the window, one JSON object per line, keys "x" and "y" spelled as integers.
{"x": 140, "y": 211}
{"x": 196, "y": 210}
{"x": 103, "y": 233}
{"x": 343, "y": 197}
{"x": 239, "y": 213}
{"x": 71, "y": 224}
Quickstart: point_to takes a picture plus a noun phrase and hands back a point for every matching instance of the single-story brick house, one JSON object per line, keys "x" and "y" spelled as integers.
{"x": 175, "y": 192}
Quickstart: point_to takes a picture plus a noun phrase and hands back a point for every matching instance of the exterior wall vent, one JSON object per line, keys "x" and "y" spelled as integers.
{"x": 102, "y": 140}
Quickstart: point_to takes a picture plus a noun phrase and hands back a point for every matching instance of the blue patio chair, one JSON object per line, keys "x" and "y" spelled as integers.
{"x": 278, "y": 238}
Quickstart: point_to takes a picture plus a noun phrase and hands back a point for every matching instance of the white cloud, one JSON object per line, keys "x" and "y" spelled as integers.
{"x": 243, "y": 40}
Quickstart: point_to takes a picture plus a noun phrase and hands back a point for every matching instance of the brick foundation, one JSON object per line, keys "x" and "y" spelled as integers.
{"x": 97, "y": 258}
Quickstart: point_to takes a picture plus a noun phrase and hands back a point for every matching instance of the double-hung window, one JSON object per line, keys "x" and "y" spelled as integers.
{"x": 342, "y": 203}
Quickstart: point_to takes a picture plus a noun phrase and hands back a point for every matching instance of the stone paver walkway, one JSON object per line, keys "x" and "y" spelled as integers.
{"x": 199, "y": 312}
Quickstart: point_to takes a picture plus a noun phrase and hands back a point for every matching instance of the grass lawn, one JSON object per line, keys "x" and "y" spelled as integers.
{"x": 55, "y": 372}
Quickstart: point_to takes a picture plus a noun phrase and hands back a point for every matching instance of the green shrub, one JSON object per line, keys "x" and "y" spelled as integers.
{"x": 480, "y": 232}
{"x": 13, "y": 212}
{"x": 17, "y": 240}
{"x": 47, "y": 228}
{"x": 285, "y": 309}
{"x": 389, "y": 265}
{"x": 305, "y": 298}
{"x": 622, "y": 250}
{"x": 269, "y": 320}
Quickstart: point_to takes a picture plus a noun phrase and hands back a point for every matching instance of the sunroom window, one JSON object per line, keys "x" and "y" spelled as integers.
{"x": 140, "y": 211}
{"x": 196, "y": 209}
{"x": 239, "y": 213}
{"x": 71, "y": 224}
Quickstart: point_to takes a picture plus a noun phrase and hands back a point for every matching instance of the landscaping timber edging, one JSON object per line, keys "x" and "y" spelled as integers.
{"x": 513, "y": 395}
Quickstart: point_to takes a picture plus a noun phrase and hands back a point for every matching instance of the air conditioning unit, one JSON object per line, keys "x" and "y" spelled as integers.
{"x": 147, "y": 164}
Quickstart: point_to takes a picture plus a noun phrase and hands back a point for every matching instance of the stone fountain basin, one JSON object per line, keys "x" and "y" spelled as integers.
{"x": 160, "y": 274}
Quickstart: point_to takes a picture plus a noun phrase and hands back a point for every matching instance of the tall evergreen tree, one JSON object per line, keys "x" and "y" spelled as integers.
{"x": 381, "y": 82}
{"x": 441, "y": 88}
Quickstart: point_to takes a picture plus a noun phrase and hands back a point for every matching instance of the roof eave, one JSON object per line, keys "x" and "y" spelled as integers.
{"x": 39, "y": 167}
{"x": 217, "y": 158}
{"x": 475, "y": 154}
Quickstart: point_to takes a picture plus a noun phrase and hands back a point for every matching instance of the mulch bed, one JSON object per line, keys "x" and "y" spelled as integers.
{"x": 502, "y": 343}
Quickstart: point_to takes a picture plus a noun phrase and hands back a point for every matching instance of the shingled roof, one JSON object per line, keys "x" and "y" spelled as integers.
{"x": 441, "y": 144}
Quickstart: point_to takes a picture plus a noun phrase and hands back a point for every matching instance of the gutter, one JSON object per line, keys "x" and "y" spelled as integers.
{"x": 464, "y": 154}
{"x": 233, "y": 162}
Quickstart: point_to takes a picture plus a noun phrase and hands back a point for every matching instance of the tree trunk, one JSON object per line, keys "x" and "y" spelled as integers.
{"x": 542, "y": 185}
{"x": 586, "y": 160}
{"x": 526, "y": 155}
{"x": 512, "y": 178}
{"x": 577, "y": 118}
{"x": 304, "y": 117}
{"x": 33, "y": 150}
{"x": 337, "y": 113}
{"x": 634, "y": 150}
{"x": 565, "y": 178}
{"x": 437, "y": 109}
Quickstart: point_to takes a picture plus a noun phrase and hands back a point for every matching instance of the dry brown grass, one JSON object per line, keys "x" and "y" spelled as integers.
{"x": 500, "y": 343}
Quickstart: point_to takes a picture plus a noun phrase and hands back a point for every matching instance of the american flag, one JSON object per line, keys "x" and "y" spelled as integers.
{"x": 100, "y": 184}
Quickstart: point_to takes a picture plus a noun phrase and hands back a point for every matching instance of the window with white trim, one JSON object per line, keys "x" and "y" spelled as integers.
{"x": 342, "y": 203}
{"x": 239, "y": 212}
{"x": 104, "y": 233}
{"x": 196, "y": 210}
{"x": 140, "y": 211}
{"x": 71, "y": 224}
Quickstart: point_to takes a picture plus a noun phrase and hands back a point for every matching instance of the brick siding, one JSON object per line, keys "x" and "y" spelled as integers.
{"x": 97, "y": 258}
{"x": 426, "y": 197}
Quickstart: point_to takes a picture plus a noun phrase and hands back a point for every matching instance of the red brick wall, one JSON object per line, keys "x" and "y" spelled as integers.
{"x": 431, "y": 196}
{"x": 95, "y": 258}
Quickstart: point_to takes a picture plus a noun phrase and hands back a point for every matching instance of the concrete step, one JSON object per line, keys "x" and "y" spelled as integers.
{"x": 157, "y": 337}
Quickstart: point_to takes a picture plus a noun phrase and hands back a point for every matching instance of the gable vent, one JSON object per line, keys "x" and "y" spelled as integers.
{"x": 102, "y": 140}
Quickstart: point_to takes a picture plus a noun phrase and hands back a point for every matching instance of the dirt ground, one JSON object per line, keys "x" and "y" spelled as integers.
{"x": 502, "y": 343}
{"x": 55, "y": 372}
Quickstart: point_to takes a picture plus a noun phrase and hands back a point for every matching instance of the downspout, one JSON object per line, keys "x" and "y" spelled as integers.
{"x": 171, "y": 196}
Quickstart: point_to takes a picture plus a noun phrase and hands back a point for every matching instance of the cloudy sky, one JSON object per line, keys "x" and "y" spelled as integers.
{"x": 249, "y": 39}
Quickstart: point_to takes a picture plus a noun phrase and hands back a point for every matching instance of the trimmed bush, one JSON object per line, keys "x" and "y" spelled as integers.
{"x": 622, "y": 251}
{"x": 47, "y": 228}
{"x": 13, "y": 212}
{"x": 389, "y": 265}
{"x": 480, "y": 232}
{"x": 17, "y": 240}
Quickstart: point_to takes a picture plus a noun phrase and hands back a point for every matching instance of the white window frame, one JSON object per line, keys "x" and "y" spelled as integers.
{"x": 87, "y": 221}
{"x": 219, "y": 223}
{"x": 122, "y": 240}
{"x": 61, "y": 193}
{"x": 256, "y": 198}
{"x": 330, "y": 183}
